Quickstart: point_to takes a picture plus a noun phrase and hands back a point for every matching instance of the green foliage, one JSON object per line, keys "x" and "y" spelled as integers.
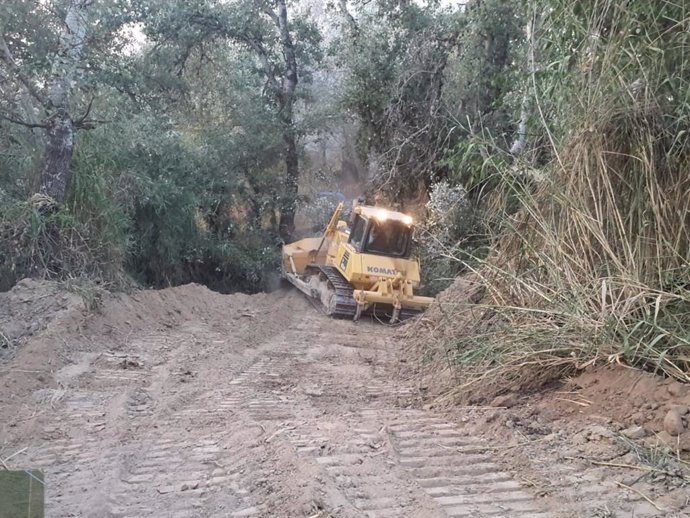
{"x": 591, "y": 259}
{"x": 486, "y": 77}
{"x": 395, "y": 66}
{"x": 425, "y": 81}
{"x": 20, "y": 154}
{"x": 158, "y": 201}
{"x": 449, "y": 238}
{"x": 178, "y": 177}
{"x": 175, "y": 195}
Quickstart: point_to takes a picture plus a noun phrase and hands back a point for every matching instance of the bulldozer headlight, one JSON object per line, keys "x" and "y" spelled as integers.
{"x": 408, "y": 220}
{"x": 382, "y": 215}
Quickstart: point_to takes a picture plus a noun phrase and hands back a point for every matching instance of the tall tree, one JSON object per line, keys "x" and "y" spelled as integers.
{"x": 395, "y": 54}
{"x": 282, "y": 81}
{"x": 55, "y": 97}
{"x": 50, "y": 51}
{"x": 283, "y": 46}
{"x": 56, "y": 171}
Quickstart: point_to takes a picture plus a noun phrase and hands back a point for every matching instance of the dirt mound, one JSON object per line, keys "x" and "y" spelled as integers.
{"x": 643, "y": 404}
{"x": 606, "y": 428}
{"x": 31, "y": 307}
{"x": 34, "y": 307}
{"x": 171, "y": 307}
{"x": 60, "y": 339}
{"x": 633, "y": 403}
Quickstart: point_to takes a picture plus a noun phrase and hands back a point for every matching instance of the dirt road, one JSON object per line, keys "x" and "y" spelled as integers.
{"x": 184, "y": 403}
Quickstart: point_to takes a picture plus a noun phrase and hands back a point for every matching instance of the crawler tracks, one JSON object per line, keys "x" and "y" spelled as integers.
{"x": 289, "y": 415}
{"x": 343, "y": 305}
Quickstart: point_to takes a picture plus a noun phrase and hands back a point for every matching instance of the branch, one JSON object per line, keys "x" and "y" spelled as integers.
{"x": 22, "y": 122}
{"x": 263, "y": 57}
{"x": 8, "y": 59}
{"x": 90, "y": 124}
{"x": 126, "y": 91}
{"x": 351, "y": 22}
{"x": 290, "y": 79}
{"x": 268, "y": 11}
{"x": 181, "y": 62}
{"x": 88, "y": 110}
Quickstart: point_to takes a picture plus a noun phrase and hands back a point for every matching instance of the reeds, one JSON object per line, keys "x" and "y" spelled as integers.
{"x": 595, "y": 265}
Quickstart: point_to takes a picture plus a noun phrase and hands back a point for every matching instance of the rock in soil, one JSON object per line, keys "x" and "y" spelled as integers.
{"x": 507, "y": 401}
{"x": 639, "y": 418}
{"x": 634, "y": 432}
{"x": 673, "y": 423}
{"x": 682, "y": 409}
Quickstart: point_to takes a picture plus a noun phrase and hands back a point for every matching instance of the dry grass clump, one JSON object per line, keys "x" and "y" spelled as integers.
{"x": 595, "y": 267}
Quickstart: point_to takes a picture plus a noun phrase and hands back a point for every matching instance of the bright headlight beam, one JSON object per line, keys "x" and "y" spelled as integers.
{"x": 382, "y": 215}
{"x": 407, "y": 220}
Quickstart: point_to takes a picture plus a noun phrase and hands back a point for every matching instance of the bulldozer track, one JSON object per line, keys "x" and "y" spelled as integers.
{"x": 456, "y": 471}
{"x": 346, "y": 306}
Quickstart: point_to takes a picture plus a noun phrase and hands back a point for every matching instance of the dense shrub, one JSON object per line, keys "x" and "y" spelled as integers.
{"x": 148, "y": 202}
{"x": 448, "y": 237}
{"x": 39, "y": 241}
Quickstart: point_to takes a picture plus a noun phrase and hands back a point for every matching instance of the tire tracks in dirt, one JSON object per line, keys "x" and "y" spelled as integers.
{"x": 382, "y": 461}
{"x": 277, "y": 412}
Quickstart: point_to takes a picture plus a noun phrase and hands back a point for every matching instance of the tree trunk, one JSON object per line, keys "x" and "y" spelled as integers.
{"x": 57, "y": 160}
{"x": 349, "y": 19}
{"x": 286, "y": 226}
{"x": 520, "y": 141}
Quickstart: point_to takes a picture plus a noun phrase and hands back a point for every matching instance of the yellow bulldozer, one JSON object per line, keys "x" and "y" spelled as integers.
{"x": 363, "y": 268}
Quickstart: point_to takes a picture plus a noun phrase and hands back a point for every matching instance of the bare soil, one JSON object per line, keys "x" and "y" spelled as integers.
{"x": 183, "y": 402}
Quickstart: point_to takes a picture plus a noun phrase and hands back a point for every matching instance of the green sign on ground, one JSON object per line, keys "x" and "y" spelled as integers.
{"x": 21, "y": 494}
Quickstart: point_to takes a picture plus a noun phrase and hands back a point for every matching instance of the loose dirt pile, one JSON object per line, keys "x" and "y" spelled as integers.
{"x": 52, "y": 337}
{"x": 627, "y": 429}
{"x": 644, "y": 406}
{"x": 29, "y": 308}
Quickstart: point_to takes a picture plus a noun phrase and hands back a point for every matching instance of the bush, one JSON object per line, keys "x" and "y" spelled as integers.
{"x": 37, "y": 241}
{"x": 155, "y": 204}
{"x": 448, "y": 238}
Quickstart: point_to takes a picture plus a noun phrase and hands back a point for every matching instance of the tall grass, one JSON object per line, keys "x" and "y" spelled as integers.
{"x": 595, "y": 264}
{"x": 54, "y": 244}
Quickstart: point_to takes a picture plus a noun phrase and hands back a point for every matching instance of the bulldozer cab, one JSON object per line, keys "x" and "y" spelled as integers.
{"x": 381, "y": 232}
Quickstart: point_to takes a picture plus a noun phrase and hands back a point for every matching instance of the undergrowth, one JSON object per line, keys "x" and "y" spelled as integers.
{"x": 593, "y": 267}
{"x": 448, "y": 238}
{"x": 148, "y": 213}
{"x": 45, "y": 242}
